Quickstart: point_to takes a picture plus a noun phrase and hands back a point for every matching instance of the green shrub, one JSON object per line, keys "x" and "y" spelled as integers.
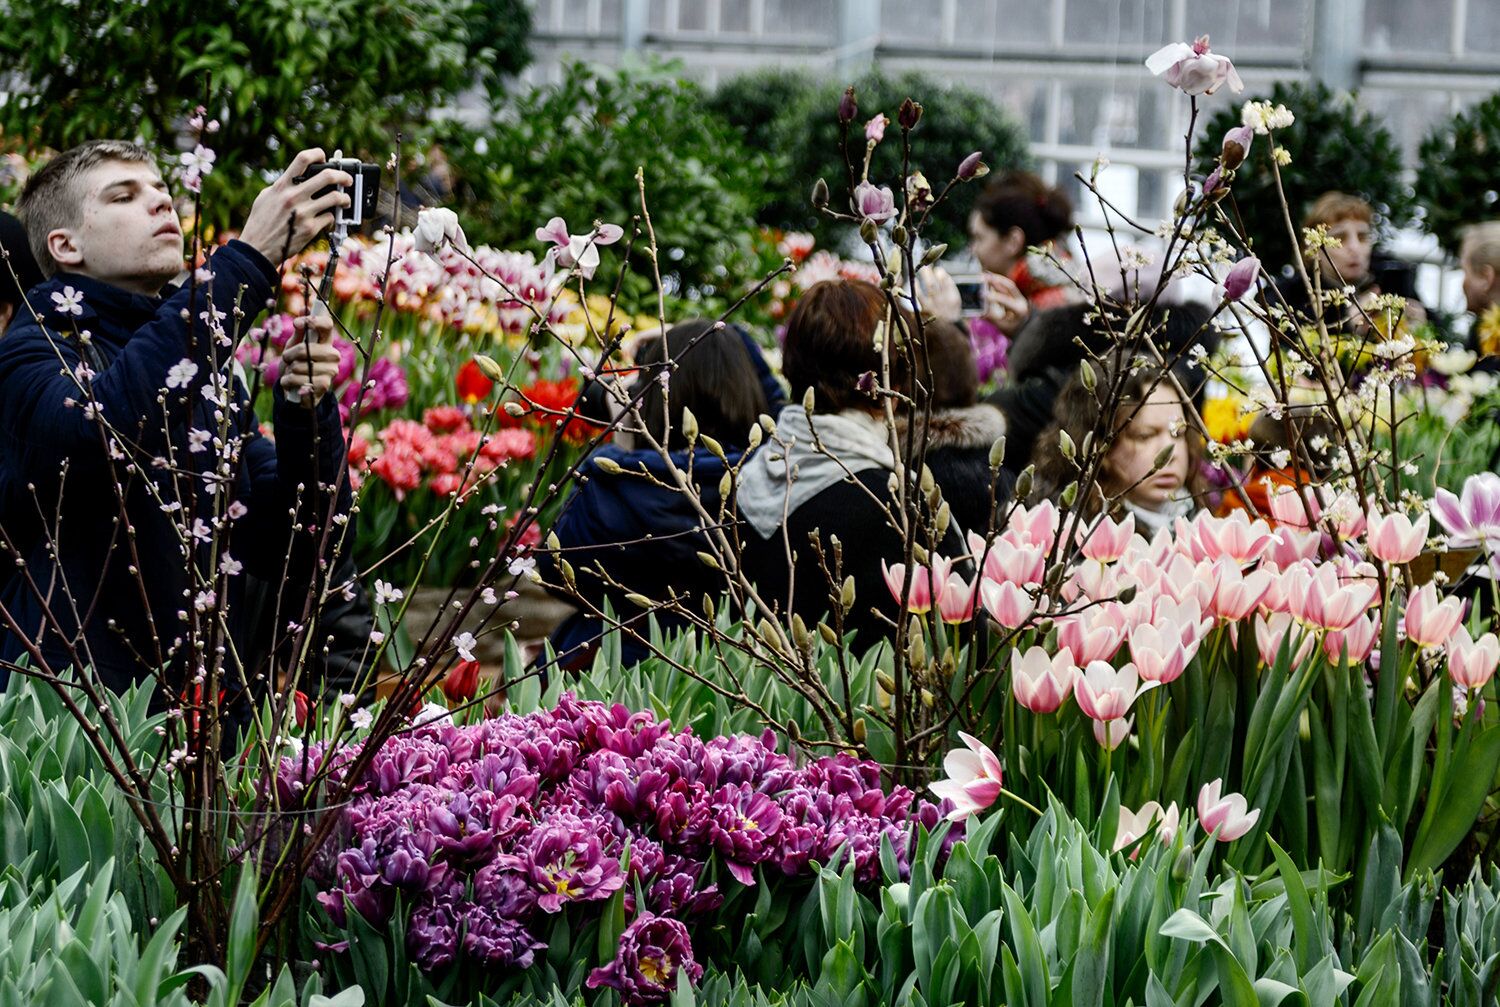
{"x": 793, "y": 115}
{"x": 1334, "y": 144}
{"x": 1456, "y": 182}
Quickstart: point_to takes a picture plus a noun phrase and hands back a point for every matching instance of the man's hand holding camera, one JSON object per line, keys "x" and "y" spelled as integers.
{"x": 289, "y": 214}
{"x": 308, "y": 367}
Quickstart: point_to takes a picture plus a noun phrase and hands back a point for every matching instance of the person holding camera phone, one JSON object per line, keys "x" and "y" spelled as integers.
{"x": 116, "y": 387}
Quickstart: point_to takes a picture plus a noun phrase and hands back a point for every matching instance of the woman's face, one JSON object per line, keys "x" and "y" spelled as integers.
{"x": 1352, "y": 257}
{"x": 1481, "y": 285}
{"x": 996, "y": 252}
{"x": 1158, "y": 424}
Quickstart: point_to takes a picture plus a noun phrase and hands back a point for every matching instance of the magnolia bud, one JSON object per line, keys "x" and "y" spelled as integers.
{"x": 868, "y": 231}
{"x": 1023, "y": 482}
{"x": 552, "y": 543}
{"x": 898, "y": 234}
{"x": 829, "y": 636}
{"x": 753, "y": 440}
{"x": 608, "y": 465}
{"x": 514, "y": 409}
{"x": 928, "y": 699}
{"x": 1087, "y": 376}
{"x": 708, "y": 560}
{"x": 820, "y": 194}
{"x": 886, "y": 682}
{"x": 846, "y": 594}
{"x": 807, "y": 401}
{"x": 848, "y": 107}
{"x": 859, "y": 731}
{"x": 793, "y": 732}
{"x": 933, "y": 254}
{"x": 1065, "y": 445}
{"x": 800, "y": 634}
{"x": 1162, "y": 457}
{"x": 919, "y": 553}
{"x": 714, "y": 447}
{"x": 708, "y": 607}
{"x": 916, "y": 650}
{"x": 1236, "y": 145}
{"x": 689, "y": 425}
{"x": 767, "y": 424}
{"x": 489, "y": 368}
{"x": 944, "y": 518}
{"x": 909, "y": 114}
{"x": 1069, "y": 493}
{"x": 566, "y": 569}
{"x": 973, "y": 166}
{"x": 639, "y": 600}
{"x": 1126, "y": 595}
{"x": 927, "y": 481}
{"x": 997, "y": 452}
{"x": 726, "y": 483}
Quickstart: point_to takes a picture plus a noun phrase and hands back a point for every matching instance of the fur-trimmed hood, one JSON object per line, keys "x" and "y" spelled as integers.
{"x": 977, "y": 426}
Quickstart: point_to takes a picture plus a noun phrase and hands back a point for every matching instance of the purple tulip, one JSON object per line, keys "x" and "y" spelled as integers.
{"x": 653, "y": 950}
{"x": 1241, "y": 278}
{"x": 877, "y": 204}
{"x": 567, "y": 861}
{"x": 432, "y": 935}
{"x": 743, "y": 828}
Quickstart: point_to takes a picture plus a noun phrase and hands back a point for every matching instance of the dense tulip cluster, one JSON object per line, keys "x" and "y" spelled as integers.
{"x": 484, "y": 831}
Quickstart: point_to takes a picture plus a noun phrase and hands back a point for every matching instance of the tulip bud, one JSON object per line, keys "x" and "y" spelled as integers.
{"x": 1069, "y": 493}
{"x": 708, "y": 559}
{"x": 514, "y": 409}
{"x": 829, "y": 636}
{"x": 868, "y": 231}
{"x": 973, "y": 167}
{"x": 997, "y": 452}
{"x": 491, "y": 369}
{"x": 909, "y": 114}
{"x": 933, "y": 254}
{"x": 1182, "y": 867}
{"x": 1065, "y": 445}
{"x": 608, "y": 465}
{"x": 846, "y": 594}
{"x": 848, "y": 107}
{"x": 819, "y": 194}
{"x": 898, "y": 234}
{"x": 1023, "y": 482}
{"x": 689, "y": 425}
{"x": 1087, "y": 376}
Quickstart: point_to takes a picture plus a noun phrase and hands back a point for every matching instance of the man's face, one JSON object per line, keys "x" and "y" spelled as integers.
{"x": 128, "y": 233}
{"x": 1352, "y": 257}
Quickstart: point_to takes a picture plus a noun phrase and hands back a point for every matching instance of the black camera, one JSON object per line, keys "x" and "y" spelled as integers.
{"x": 363, "y": 193}
{"x": 971, "y": 294}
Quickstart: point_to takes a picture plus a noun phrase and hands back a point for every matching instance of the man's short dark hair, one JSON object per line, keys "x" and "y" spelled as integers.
{"x": 51, "y": 198}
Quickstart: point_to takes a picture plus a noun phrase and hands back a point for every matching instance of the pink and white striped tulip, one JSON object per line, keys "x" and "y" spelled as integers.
{"x": 1036, "y": 525}
{"x": 1041, "y": 682}
{"x": 1009, "y": 605}
{"x": 1395, "y": 538}
{"x": 1107, "y": 540}
{"x": 1472, "y": 662}
{"x": 1429, "y": 621}
{"x": 1292, "y": 546}
{"x": 1107, "y": 693}
{"x": 1004, "y": 560}
{"x": 974, "y": 778}
{"x": 1317, "y": 596}
{"x": 927, "y": 583}
{"x": 1360, "y": 639}
{"x": 1111, "y": 734}
{"x": 1347, "y": 516}
{"x": 1290, "y": 509}
{"x": 956, "y": 604}
{"x": 1235, "y": 537}
{"x": 1092, "y": 637}
{"x": 1135, "y": 824}
{"x": 1472, "y": 519}
{"x": 1228, "y": 817}
{"x": 1157, "y": 652}
{"x": 1236, "y": 593}
{"x": 1270, "y": 633}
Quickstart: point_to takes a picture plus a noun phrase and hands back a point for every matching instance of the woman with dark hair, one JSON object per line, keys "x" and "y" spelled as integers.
{"x": 627, "y": 529}
{"x": 1149, "y": 417}
{"x": 1015, "y": 213}
{"x": 816, "y": 500}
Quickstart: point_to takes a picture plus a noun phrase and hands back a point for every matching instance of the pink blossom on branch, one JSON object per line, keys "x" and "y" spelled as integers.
{"x": 1194, "y": 69}
{"x": 875, "y": 203}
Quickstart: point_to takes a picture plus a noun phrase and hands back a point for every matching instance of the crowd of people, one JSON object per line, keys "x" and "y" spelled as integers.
{"x": 97, "y": 324}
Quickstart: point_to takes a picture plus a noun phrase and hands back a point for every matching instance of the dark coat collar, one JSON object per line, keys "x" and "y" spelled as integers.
{"x": 107, "y": 311}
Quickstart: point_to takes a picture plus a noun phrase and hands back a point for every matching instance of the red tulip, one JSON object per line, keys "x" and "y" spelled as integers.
{"x": 462, "y": 683}
{"x": 299, "y": 707}
{"x": 471, "y": 383}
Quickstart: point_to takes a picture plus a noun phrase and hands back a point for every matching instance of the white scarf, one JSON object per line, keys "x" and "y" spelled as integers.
{"x": 1152, "y": 521}
{"x": 777, "y": 480}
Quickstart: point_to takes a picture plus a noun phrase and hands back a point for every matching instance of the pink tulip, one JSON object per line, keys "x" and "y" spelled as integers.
{"x": 1093, "y": 637}
{"x": 1270, "y": 633}
{"x": 1359, "y": 639}
{"x": 1274, "y": 600}
{"x": 1157, "y": 652}
{"x": 974, "y": 778}
{"x": 877, "y": 204}
{"x": 1241, "y": 278}
{"x": 1318, "y": 597}
{"x": 1430, "y": 622}
{"x": 1107, "y": 541}
{"x": 1472, "y": 662}
{"x": 927, "y": 584}
{"x": 1039, "y": 682}
{"x": 1038, "y": 525}
{"x": 1004, "y": 560}
{"x": 1094, "y": 581}
{"x": 1347, "y": 515}
{"x": 1395, "y": 538}
{"x": 1185, "y": 579}
{"x": 1472, "y": 520}
{"x": 956, "y": 603}
{"x": 1106, "y": 693}
{"x": 1235, "y": 537}
{"x": 1006, "y": 603}
{"x": 1111, "y": 734}
{"x": 1289, "y": 508}
{"x": 1236, "y": 593}
{"x": 1189, "y": 619}
{"x": 1292, "y": 546}
{"x": 1227, "y": 817}
{"x": 1194, "y": 69}
{"x": 1135, "y": 824}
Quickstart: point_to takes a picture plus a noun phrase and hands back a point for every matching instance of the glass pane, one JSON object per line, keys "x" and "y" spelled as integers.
{"x": 1003, "y": 23}
{"x": 916, "y": 24}
{"x": 1409, "y": 115}
{"x": 611, "y": 14}
{"x": 693, "y": 16}
{"x": 1400, "y": 26}
{"x": 734, "y": 15}
{"x": 542, "y": 17}
{"x": 659, "y": 15}
{"x": 1280, "y": 24}
{"x": 816, "y": 18}
{"x": 1123, "y": 23}
{"x": 1483, "y": 35}
{"x": 576, "y": 16}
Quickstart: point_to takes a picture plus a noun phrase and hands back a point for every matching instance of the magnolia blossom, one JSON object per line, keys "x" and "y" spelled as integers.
{"x": 1227, "y": 817}
{"x": 1472, "y": 662}
{"x": 1107, "y": 693}
{"x": 1236, "y": 146}
{"x": 1193, "y": 69}
{"x": 1041, "y": 682}
{"x": 1471, "y": 519}
{"x": 875, "y": 203}
{"x": 974, "y": 778}
{"x": 1135, "y": 824}
{"x": 875, "y": 129}
{"x": 1430, "y": 622}
{"x": 437, "y": 225}
{"x": 580, "y": 250}
{"x": 1241, "y": 278}
{"x": 1395, "y": 538}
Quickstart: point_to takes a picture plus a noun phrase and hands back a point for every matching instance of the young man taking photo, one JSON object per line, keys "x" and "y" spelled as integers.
{"x": 150, "y": 489}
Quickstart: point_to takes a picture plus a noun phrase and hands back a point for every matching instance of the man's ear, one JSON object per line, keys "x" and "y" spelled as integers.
{"x": 64, "y": 249}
